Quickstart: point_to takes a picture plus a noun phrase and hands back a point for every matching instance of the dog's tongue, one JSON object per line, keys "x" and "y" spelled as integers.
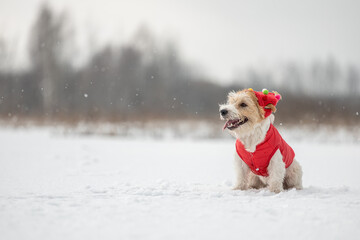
{"x": 229, "y": 122}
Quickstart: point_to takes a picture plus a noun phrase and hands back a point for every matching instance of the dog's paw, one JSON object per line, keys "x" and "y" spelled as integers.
{"x": 275, "y": 189}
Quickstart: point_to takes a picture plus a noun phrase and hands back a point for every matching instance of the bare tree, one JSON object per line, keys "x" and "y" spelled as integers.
{"x": 353, "y": 81}
{"x": 48, "y": 43}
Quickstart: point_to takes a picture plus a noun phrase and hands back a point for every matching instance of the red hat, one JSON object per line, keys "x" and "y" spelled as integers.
{"x": 265, "y": 98}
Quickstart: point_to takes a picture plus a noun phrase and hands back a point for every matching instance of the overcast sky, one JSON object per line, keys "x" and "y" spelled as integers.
{"x": 220, "y": 36}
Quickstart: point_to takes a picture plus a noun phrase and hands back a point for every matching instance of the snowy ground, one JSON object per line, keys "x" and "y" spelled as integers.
{"x": 55, "y": 186}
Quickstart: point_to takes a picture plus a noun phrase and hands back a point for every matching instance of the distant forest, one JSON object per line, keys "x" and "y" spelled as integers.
{"x": 144, "y": 80}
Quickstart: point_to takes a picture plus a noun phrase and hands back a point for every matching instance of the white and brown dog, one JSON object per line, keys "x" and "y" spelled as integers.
{"x": 262, "y": 157}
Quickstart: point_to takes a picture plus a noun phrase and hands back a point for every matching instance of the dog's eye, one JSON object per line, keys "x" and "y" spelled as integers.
{"x": 243, "y": 105}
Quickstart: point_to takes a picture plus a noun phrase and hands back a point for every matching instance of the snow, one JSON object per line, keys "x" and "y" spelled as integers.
{"x": 195, "y": 129}
{"x": 55, "y": 186}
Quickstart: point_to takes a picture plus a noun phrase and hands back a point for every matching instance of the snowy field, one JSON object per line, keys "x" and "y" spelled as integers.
{"x": 55, "y": 186}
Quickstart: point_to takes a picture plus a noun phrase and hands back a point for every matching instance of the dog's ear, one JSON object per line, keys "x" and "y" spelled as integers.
{"x": 271, "y": 106}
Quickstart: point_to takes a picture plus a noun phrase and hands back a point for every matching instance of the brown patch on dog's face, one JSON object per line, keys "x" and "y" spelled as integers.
{"x": 246, "y": 103}
{"x": 242, "y": 110}
{"x": 255, "y": 100}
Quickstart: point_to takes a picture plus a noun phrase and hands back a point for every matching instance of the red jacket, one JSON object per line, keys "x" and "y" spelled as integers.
{"x": 259, "y": 160}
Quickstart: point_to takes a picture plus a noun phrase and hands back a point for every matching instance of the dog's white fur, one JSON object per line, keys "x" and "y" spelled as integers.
{"x": 251, "y": 134}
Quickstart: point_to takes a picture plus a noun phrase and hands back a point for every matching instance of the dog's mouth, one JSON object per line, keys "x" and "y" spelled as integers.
{"x": 234, "y": 123}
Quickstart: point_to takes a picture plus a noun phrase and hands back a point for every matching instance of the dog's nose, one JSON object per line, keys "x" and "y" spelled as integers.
{"x": 223, "y": 112}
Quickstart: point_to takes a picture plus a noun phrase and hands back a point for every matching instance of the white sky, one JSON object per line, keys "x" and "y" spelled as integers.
{"x": 220, "y": 36}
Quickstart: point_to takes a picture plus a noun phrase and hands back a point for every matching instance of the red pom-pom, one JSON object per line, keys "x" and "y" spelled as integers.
{"x": 278, "y": 96}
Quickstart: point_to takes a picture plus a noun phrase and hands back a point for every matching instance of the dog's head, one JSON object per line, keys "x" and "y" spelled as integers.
{"x": 245, "y": 109}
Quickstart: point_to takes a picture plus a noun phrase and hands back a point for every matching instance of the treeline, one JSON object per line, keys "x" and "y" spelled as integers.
{"x": 145, "y": 79}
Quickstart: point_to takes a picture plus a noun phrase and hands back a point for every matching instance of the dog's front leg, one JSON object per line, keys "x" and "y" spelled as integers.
{"x": 276, "y": 170}
{"x": 242, "y": 171}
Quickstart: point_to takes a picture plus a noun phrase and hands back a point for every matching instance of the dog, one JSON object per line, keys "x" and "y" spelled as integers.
{"x": 262, "y": 157}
